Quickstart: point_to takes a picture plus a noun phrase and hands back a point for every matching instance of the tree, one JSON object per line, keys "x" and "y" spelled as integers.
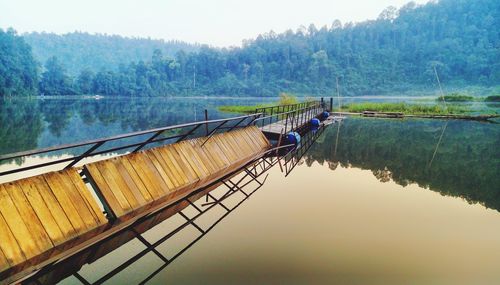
{"x": 18, "y": 69}
{"x": 85, "y": 82}
{"x": 54, "y": 79}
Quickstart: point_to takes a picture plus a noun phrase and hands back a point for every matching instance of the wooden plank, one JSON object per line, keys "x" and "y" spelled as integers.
{"x": 173, "y": 165}
{"x": 78, "y": 201}
{"x": 44, "y": 214}
{"x": 235, "y": 154}
{"x": 142, "y": 196}
{"x": 261, "y": 135}
{"x": 29, "y": 244}
{"x": 198, "y": 157}
{"x": 55, "y": 208}
{"x": 181, "y": 163}
{"x": 224, "y": 156}
{"x": 148, "y": 174}
{"x": 250, "y": 139}
{"x": 203, "y": 154}
{"x": 156, "y": 175}
{"x": 124, "y": 166}
{"x": 231, "y": 154}
{"x": 117, "y": 206}
{"x": 60, "y": 192}
{"x": 206, "y": 158}
{"x": 162, "y": 171}
{"x": 240, "y": 150}
{"x": 233, "y": 137}
{"x": 254, "y": 141}
{"x": 186, "y": 158}
{"x": 118, "y": 186}
{"x": 88, "y": 198}
{"x": 213, "y": 153}
{"x": 4, "y": 264}
{"x": 257, "y": 134}
{"x": 243, "y": 141}
{"x": 29, "y": 216}
{"x": 131, "y": 164}
{"x": 175, "y": 177}
{"x": 194, "y": 157}
{"x": 241, "y": 146}
{"x": 9, "y": 245}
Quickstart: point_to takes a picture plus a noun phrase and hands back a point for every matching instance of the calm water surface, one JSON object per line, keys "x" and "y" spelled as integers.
{"x": 38, "y": 122}
{"x": 365, "y": 206}
{"x": 374, "y": 201}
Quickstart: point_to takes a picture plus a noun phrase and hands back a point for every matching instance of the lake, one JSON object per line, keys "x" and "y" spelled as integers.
{"x": 373, "y": 201}
{"x": 41, "y": 122}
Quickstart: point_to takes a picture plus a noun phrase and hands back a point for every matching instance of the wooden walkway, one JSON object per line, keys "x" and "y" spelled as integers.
{"x": 43, "y": 217}
{"x": 277, "y": 128}
{"x": 278, "y": 120}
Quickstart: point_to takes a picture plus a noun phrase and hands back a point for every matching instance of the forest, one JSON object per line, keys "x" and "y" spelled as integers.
{"x": 393, "y": 54}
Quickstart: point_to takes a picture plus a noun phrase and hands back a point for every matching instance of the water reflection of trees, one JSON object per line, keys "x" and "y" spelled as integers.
{"x": 21, "y": 119}
{"x": 71, "y": 120}
{"x": 466, "y": 163}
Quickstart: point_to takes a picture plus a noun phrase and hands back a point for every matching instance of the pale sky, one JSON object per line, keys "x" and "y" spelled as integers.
{"x": 215, "y": 22}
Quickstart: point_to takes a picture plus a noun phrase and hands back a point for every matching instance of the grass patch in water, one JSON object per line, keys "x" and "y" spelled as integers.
{"x": 456, "y": 97}
{"x": 493, "y": 98}
{"x": 241, "y": 109}
{"x": 407, "y": 109}
{"x": 285, "y": 99}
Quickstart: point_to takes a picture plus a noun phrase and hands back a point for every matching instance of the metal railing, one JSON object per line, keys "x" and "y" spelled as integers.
{"x": 251, "y": 174}
{"x": 290, "y": 117}
{"x": 125, "y": 143}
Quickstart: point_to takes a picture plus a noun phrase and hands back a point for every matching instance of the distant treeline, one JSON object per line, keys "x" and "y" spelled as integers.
{"x": 395, "y": 53}
{"x": 79, "y": 51}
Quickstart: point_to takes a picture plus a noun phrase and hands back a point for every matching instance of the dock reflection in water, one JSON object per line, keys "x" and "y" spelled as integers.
{"x": 362, "y": 207}
{"x": 372, "y": 214}
{"x": 107, "y": 260}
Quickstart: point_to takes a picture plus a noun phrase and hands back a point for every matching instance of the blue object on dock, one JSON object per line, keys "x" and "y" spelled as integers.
{"x": 325, "y": 115}
{"x": 293, "y": 138}
{"x": 315, "y": 124}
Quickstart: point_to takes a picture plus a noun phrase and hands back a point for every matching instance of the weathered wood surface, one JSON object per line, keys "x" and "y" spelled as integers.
{"x": 132, "y": 183}
{"x": 38, "y": 214}
{"x": 54, "y": 215}
{"x": 275, "y": 129}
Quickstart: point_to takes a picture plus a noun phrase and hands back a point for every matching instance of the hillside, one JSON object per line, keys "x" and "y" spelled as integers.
{"x": 79, "y": 51}
{"x": 395, "y": 53}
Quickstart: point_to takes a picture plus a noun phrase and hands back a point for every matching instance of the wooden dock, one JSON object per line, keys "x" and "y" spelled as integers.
{"x": 280, "y": 120}
{"x": 52, "y": 216}
{"x": 49, "y": 216}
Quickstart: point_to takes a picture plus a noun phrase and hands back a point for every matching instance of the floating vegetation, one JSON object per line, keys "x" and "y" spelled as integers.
{"x": 407, "y": 109}
{"x": 285, "y": 99}
{"x": 493, "y": 98}
{"x": 456, "y": 97}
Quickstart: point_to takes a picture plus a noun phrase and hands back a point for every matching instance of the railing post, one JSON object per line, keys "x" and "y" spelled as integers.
{"x": 271, "y": 116}
{"x": 286, "y": 123}
{"x": 85, "y": 154}
{"x": 206, "y": 124}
